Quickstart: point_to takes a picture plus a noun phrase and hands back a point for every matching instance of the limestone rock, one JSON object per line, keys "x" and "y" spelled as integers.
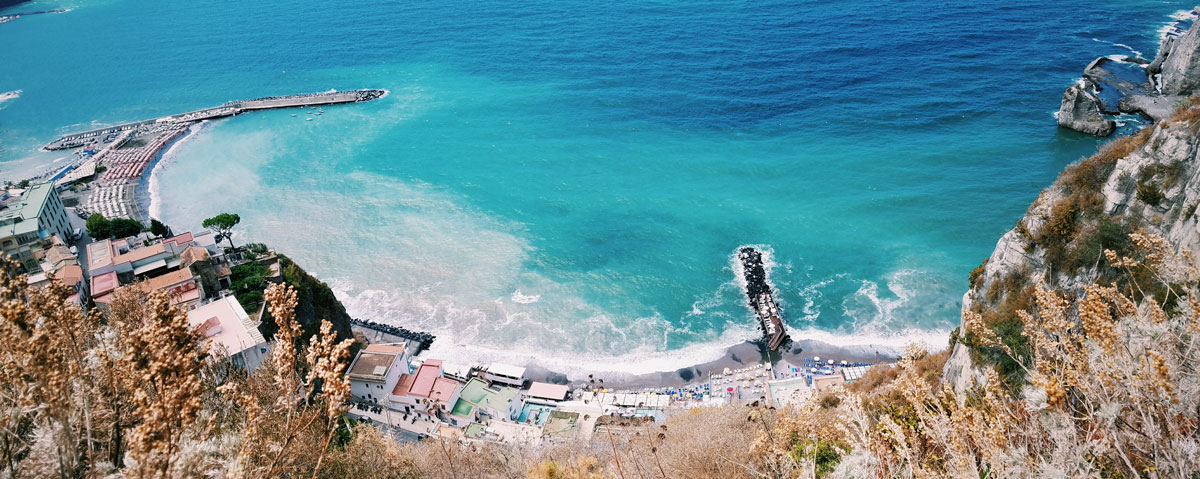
{"x": 1181, "y": 68}
{"x": 1080, "y": 111}
{"x": 1156, "y": 108}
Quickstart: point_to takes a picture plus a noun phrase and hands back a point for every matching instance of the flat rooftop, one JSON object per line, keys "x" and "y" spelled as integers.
{"x": 224, "y": 322}
{"x": 556, "y": 392}
{"x": 421, "y": 383}
{"x": 104, "y": 283}
{"x": 506, "y": 370}
{"x": 371, "y": 366}
{"x": 99, "y": 254}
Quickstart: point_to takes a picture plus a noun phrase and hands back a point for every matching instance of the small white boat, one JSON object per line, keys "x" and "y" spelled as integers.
{"x": 308, "y": 119}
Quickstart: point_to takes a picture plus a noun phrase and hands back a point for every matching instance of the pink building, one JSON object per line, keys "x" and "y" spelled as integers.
{"x": 425, "y": 391}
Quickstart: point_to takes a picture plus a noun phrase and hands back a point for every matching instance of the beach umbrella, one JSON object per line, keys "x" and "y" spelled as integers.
{"x": 830, "y": 361}
{"x": 816, "y": 358}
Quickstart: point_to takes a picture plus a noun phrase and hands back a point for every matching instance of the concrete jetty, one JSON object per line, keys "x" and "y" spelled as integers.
{"x": 760, "y": 297}
{"x": 121, "y": 155}
{"x": 76, "y": 140}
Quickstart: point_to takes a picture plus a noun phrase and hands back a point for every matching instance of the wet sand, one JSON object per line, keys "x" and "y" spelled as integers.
{"x": 738, "y": 356}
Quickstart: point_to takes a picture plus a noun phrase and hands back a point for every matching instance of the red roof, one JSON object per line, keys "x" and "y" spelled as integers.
{"x": 104, "y": 283}
{"x": 181, "y": 240}
{"x": 421, "y": 383}
{"x": 443, "y": 389}
{"x": 208, "y": 326}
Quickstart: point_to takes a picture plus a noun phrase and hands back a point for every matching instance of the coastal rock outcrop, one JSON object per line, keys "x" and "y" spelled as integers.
{"x": 1178, "y": 63}
{"x": 1080, "y": 111}
{"x": 1114, "y": 84}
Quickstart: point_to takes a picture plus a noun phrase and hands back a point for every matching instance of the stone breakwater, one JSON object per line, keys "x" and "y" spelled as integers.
{"x": 122, "y": 155}
{"x": 76, "y": 140}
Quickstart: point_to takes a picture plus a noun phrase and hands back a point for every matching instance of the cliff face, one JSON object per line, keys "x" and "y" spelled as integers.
{"x": 1178, "y": 62}
{"x": 1146, "y": 182}
{"x": 315, "y": 303}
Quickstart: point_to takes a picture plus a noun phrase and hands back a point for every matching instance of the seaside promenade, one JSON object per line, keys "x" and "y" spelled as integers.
{"x": 122, "y": 155}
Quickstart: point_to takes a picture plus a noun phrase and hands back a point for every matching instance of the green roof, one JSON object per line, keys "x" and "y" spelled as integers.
{"x": 32, "y": 202}
{"x": 476, "y": 392}
{"x": 462, "y": 408}
{"x": 500, "y": 399}
{"x": 35, "y": 200}
{"x": 474, "y": 429}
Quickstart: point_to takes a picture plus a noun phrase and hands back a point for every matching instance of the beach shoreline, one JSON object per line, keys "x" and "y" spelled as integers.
{"x": 746, "y": 354}
{"x": 741, "y": 354}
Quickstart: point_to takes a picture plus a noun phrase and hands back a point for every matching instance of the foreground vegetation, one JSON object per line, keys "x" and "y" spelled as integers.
{"x": 1111, "y": 392}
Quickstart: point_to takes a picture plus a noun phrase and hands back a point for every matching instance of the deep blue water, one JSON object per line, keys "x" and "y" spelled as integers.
{"x": 569, "y": 179}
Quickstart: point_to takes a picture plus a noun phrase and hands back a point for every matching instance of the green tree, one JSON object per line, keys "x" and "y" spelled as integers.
{"x": 97, "y": 226}
{"x": 122, "y": 227}
{"x": 23, "y": 184}
{"x": 100, "y": 227}
{"x": 224, "y": 224}
{"x": 159, "y": 228}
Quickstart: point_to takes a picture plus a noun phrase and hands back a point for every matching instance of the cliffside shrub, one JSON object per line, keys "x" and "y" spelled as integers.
{"x": 317, "y": 302}
{"x": 1149, "y": 193}
{"x": 1184, "y": 113}
{"x": 1091, "y": 172}
{"x": 976, "y": 276}
{"x": 1154, "y": 178}
{"x": 824, "y": 454}
{"x": 1072, "y": 231}
{"x": 1060, "y": 228}
{"x": 248, "y": 282}
{"x": 1006, "y": 299}
{"x": 1087, "y": 249}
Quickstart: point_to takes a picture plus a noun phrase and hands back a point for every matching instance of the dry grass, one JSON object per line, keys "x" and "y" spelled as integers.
{"x": 1187, "y": 113}
{"x": 1112, "y": 392}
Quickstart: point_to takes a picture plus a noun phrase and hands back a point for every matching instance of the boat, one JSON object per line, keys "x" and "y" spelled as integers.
{"x": 308, "y": 119}
{"x": 760, "y": 298}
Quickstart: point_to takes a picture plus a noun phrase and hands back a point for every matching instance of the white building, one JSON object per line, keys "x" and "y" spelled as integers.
{"x": 505, "y": 374}
{"x": 375, "y": 372}
{"x": 458, "y": 372}
{"x": 546, "y": 393}
{"x": 28, "y": 221}
{"x": 229, "y": 331}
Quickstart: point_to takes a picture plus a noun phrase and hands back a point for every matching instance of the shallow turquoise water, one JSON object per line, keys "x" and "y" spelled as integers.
{"x": 569, "y": 180}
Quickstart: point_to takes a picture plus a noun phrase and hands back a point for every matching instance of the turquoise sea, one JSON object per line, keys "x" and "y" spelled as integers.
{"x": 568, "y": 180}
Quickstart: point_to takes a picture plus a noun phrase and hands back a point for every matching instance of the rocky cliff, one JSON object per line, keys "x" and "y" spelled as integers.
{"x": 1146, "y": 182}
{"x": 316, "y": 302}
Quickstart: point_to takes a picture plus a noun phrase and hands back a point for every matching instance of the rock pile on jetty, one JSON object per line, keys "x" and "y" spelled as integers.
{"x": 425, "y": 339}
